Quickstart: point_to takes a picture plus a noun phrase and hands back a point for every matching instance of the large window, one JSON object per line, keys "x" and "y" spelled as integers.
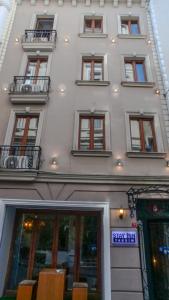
{"x": 142, "y": 134}
{"x": 92, "y": 69}
{"x": 58, "y": 239}
{"x": 93, "y": 24}
{"x": 25, "y": 130}
{"x": 92, "y": 133}
{"x": 130, "y": 26}
{"x": 135, "y": 71}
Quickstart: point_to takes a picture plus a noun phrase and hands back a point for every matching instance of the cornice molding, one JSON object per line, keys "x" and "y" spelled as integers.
{"x": 101, "y": 3}
{"x": 52, "y": 177}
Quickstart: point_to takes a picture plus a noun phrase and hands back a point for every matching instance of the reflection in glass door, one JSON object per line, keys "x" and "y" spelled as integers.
{"x": 159, "y": 244}
{"x": 68, "y": 240}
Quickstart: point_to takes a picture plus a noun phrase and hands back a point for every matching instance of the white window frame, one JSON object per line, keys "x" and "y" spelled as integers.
{"x": 131, "y": 17}
{"x": 157, "y": 129}
{"x": 89, "y": 113}
{"x": 41, "y": 14}
{"x": 93, "y": 55}
{"x": 11, "y": 123}
{"x": 93, "y": 34}
{"x": 148, "y": 69}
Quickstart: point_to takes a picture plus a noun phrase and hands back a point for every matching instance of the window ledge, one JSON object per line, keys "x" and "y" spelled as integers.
{"x": 93, "y": 35}
{"x": 137, "y": 84}
{"x": 92, "y": 82}
{"x": 131, "y": 36}
{"x": 102, "y": 153}
{"x": 146, "y": 154}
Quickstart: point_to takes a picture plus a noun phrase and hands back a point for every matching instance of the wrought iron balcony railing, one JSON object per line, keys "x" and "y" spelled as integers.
{"x": 30, "y": 85}
{"x": 20, "y": 157}
{"x": 39, "y": 36}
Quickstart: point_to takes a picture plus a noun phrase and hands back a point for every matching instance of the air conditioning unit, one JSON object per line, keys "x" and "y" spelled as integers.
{"x": 16, "y": 162}
{"x": 26, "y": 88}
{"x": 10, "y": 162}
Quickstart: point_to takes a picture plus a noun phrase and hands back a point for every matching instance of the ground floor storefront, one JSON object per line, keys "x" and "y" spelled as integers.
{"x": 96, "y": 233}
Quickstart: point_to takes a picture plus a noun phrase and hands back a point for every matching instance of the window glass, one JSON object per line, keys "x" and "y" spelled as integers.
{"x": 98, "y": 71}
{"x": 124, "y": 27}
{"x": 148, "y": 136}
{"x": 140, "y": 72}
{"x": 92, "y": 135}
{"x": 135, "y": 135}
{"x": 44, "y": 24}
{"x": 85, "y": 134}
{"x": 98, "y": 134}
{"x": 129, "y": 73}
{"x": 86, "y": 70}
{"x": 134, "y": 27}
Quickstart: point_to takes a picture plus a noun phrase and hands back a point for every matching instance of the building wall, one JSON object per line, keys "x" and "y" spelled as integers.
{"x": 59, "y": 112}
{"x": 85, "y": 179}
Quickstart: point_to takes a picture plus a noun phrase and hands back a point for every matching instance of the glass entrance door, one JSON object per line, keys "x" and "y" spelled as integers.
{"x": 70, "y": 241}
{"x": 159, "y": 246}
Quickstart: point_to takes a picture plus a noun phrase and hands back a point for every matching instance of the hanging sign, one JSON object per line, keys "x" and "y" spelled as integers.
{"x": 124, "y": 238}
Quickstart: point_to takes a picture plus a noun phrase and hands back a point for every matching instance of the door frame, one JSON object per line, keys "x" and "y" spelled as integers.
{"x": 70, "y": 205}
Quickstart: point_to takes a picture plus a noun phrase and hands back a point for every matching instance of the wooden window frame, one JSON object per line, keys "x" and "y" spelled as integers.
{"x": 92, "y": 118}
{"x": 38, "y": 61}
{"x": 128, "y": 22}
{"x": 134, "y": 63}
{"x": 93, "y": 23}
{"x": 92, "y": 62}
{"x": 26, "y": 129}
{"x": 141, "y": 120}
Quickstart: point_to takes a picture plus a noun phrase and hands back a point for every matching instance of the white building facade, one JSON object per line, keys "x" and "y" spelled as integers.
{"x": 84, "y": 149}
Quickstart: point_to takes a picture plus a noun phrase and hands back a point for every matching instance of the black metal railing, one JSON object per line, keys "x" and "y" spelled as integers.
{"x": 30, "y": 84}
{"x": 39, "y": 36}
{"x": 20, "y": 157}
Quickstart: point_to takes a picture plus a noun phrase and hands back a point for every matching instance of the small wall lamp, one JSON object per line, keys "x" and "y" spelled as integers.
{"x": 121, "y": 213}
{"x": 167, "y": 163}
{"x": 157, "y": 91}
{"x": 54, "y": 161}
{"x": 119, "y": 163}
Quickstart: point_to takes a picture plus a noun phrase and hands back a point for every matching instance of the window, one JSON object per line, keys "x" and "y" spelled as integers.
{"x": 92, "y": 133}
{"x": 130, "y": 26}
{"x": 36, "y": 67}
{"x": 93, "y": 24}
{"x": 92, "y": 69}
{"x": 44, "y": 24}
{"x": 25, "y": 130}
{"x": 135, "y": 70}
{"x": 142, "y": 134}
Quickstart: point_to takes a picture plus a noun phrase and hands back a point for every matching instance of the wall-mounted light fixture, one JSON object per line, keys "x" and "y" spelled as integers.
{"x": 119, "y": 162}
{"x": 61, "y": 89}
{"x": 157, "y": 91}
{"x": 167, "y": 163}
{"x": 54, "y": 161}
{"x": 149, "y": 42}
{"x": 121, "y": 213}
{"x": 113, "y": 40}
{"x": 16, "y": 40}
{"x": 66, "y": 39}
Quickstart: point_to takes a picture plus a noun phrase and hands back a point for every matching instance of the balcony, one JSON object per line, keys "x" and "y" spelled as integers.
{"x": 43, "y": 40}
{"x": 29, "y": 89}
{"x": 20, "y": 157}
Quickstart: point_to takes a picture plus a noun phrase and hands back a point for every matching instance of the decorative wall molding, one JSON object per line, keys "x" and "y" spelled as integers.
{"x": 116, "y": 3}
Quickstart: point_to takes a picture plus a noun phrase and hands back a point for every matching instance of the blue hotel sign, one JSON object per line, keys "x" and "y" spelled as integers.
{"x": 124, "y": 238}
